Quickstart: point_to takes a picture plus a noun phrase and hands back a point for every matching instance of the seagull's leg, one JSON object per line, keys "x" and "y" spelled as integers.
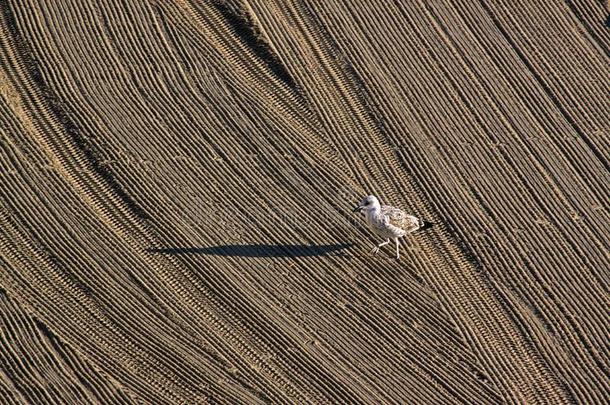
{"x": 397, "y": 248}
{"x": 376, "y": 248}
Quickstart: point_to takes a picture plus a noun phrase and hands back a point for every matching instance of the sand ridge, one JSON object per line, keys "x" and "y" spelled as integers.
{"x": 165, "y": 164}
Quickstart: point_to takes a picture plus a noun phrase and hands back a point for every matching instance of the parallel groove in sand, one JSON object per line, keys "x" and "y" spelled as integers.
{"x": 21, "y": 335}
{"x": 601, "y": 260}
{"x": 514, "y": 341}
{"x": 171, "y": 386}
{"x": 318, "y": 340}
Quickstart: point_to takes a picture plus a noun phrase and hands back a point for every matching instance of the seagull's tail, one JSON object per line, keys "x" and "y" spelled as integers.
{"x": 424, "y": 225}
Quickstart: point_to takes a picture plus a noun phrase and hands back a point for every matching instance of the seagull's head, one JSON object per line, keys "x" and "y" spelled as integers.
{"x": 370, "y": 202}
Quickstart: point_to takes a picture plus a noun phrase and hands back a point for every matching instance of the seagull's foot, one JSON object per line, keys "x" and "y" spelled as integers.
{"x": 375, "y": 250}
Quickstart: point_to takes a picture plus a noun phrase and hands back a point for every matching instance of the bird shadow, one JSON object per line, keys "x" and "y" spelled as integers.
{"x": 258, "y": 250}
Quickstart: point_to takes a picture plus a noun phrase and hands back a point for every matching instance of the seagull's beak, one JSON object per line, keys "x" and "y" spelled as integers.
{"x": 358, "y": 208}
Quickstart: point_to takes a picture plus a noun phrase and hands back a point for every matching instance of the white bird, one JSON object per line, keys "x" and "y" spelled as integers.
{"x": 389, "y": 222}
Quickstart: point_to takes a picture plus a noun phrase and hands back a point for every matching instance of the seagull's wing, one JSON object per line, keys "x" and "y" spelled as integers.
{"x": 400, "y": 219}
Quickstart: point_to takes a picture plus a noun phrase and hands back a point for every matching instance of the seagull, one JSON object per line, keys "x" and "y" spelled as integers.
{"x": 389, "y": 222}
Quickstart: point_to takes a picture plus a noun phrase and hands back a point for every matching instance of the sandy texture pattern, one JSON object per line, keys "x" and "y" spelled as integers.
{"x": 177, "y": 180}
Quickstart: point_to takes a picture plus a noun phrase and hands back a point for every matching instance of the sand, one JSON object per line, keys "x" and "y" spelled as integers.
{"x": 177, "y": 180}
